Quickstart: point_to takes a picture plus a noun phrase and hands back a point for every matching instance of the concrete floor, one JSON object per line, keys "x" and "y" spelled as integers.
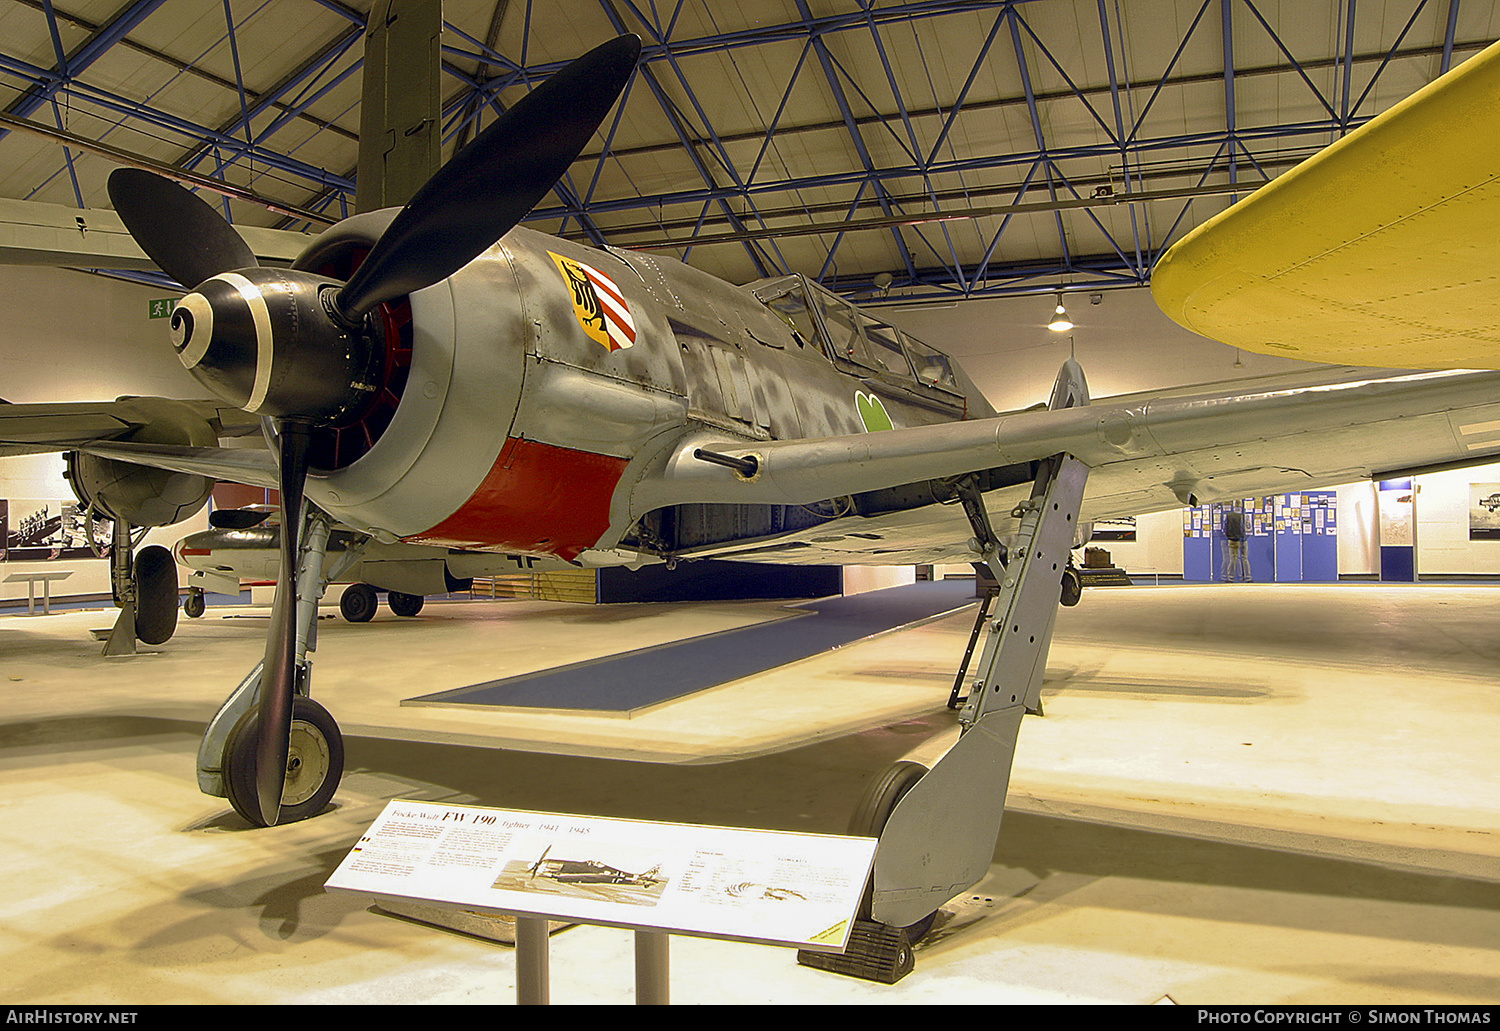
{"x": 1238, "y": 794}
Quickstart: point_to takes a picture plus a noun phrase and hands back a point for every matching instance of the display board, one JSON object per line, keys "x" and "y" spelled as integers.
{"x": 772, "y": 887}
{"x": 1290, "y": 538}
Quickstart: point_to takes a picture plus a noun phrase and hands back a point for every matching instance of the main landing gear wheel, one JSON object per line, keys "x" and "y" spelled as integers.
{"x": 358, "y": 603}
{"x": 869, "y": 820}
{"x": 404, "y": 604}
{"x": 155, "y": 595}
{"x": 314, "y": 763}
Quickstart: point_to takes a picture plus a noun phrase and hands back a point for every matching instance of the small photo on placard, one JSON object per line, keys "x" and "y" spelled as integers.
{"x": 572, "y": 870}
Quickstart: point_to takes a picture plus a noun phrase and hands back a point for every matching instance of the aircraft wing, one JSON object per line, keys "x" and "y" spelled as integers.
{"x": 32, "y": 233}
{"x": 101, "y": 428}
{"x": 1382, "y": 249}
{"x": 1147, "y": 452}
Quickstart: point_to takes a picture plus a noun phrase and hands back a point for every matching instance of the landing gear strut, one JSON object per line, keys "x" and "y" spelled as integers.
{"x": 315, "y": 754}
{"x": 144, "y": 588}
{"x": 938, "y": 836}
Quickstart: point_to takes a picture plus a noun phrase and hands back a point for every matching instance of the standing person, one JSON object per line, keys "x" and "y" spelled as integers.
{"x": 1236, "y": 557}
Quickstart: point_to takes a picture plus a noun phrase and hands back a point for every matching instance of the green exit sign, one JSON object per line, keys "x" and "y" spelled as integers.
{"x": 162, "y": 309}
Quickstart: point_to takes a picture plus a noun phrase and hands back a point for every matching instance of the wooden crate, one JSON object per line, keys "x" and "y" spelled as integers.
{"x": 574, "y": 585}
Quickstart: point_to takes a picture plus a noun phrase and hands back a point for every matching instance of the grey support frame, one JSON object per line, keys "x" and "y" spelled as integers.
{"x": 941, "y": 835}
{"x": 312, "y": 580}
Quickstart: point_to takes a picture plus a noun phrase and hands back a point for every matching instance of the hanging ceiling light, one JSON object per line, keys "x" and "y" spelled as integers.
{"x": 1060, "y": 322}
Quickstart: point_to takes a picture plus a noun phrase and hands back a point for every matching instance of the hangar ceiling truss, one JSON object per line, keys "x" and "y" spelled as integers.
{"x": 931, "y": 150}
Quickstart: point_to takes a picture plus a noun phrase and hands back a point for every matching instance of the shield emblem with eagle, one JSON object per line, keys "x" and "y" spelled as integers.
{"x": 598, "y": 303}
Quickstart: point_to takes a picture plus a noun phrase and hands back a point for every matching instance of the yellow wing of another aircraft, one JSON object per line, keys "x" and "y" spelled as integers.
{"x": 1382, "y": 250}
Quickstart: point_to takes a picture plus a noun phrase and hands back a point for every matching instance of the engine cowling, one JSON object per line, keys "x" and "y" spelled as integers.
{"x": 137, "y": 494}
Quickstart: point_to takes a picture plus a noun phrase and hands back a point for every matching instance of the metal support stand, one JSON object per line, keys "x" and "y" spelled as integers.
{"x": 532, "y": 986}
{"x": 122, "y": 584}
{"x": 652, "y": 966}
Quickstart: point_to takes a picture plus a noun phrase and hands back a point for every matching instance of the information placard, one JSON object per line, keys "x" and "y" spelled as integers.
{"x": 774, "y": 887}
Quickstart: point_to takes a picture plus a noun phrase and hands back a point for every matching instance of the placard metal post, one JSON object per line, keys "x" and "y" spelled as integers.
{"x": 652, "y": 969}
{"x": 532, "y": 988}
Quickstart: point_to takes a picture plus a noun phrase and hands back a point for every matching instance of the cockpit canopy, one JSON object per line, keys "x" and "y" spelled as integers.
{"x": 851, "y": 337}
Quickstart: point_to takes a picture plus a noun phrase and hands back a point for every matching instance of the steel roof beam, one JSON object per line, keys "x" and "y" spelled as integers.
{"x": 272, "y": 98}
{"x": 1213, "y": 138}
{"x": 167, "y": 59}
{"x": 1448, "y": 34}
{"x": 916, "y": 148}
{"x": 720, "y": 152}
{"x": 78, "y": 62}
{"x": 1036, "y": 128}
{"x": 674, "y": 119}
{"x": 820, "y": 48}
{"x": 977, "y": 106}
{"x": 1114, "y": 93}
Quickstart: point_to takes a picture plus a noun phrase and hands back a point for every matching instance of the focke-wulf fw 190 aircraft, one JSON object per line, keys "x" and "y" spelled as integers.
{"x": 441, "y": 376}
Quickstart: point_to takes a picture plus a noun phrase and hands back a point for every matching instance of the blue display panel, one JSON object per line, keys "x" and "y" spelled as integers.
{"x": 1289, "y": 538}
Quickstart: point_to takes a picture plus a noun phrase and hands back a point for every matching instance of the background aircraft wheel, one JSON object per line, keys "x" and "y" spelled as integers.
{"x": 314, "y": 763}
{"x": 869, "y": 820}
{"x": 155, "y": 595}
{"x": 1072, "y": 587}
{"x": 194, "y": 605}
{"x": 358, "y": 603}
{"x": 404, "y": 604}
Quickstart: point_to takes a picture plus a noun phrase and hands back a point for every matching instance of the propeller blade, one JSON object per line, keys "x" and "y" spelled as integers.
{"x": 491, "y": 184}
{"x": 177, "y": 229}
{"x": 279, "y": 677}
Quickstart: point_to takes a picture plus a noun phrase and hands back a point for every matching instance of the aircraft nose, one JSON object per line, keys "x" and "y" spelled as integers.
{"x": 192, "y": 328}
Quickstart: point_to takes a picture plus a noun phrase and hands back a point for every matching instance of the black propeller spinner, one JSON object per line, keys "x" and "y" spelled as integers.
{"x": 293, "y": 346}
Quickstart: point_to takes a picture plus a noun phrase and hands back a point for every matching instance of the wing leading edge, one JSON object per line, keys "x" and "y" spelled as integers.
{"x": 27, "y": 429}
{"x": 1148, "y": 452}
{"x": 1381, "y": 249}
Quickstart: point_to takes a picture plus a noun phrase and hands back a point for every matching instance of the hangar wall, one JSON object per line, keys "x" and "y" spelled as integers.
{"x": 70, "y": 336}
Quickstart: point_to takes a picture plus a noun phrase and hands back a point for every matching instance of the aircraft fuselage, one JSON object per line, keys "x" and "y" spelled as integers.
{"x": 543, "y": 369}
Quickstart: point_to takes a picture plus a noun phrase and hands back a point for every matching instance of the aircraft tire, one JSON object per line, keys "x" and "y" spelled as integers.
{"x": 404, "y": 604}
{"x": 358, "y": 603}
{"x": 869, "y": 819}
{"x": 155, "y": 595}
{"x": 193, "y": 606}
{"x": 1072, "y": 587}
{"x": 315, "y": 764}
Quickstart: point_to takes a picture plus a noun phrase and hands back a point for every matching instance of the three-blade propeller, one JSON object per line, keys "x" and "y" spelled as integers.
{"x": 292, "y": 346}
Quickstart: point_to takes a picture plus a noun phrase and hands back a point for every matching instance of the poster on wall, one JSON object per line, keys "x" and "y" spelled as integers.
{"x": 1122, "y": 529}
{"x": 41, "y": 530}
{"x": 1397, "y": 514}
{"x": 1484, "y": 511}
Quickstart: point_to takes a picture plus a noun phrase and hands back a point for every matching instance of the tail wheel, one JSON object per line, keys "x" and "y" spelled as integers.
{"x": 1072, "y": 587}
{"x": 155, "y": 595}
{"x": 194, "y": 605}
{"x": 315, "y": 763}
{"x": 404, "y": 604}
{"x": 358, "y": 603}
{"x": 869, "y": 820}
